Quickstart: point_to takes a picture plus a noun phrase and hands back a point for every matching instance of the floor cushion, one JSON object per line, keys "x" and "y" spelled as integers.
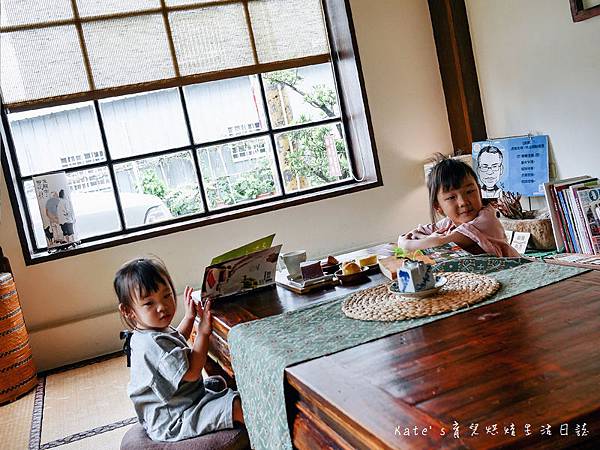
{"x": 234, "y": 439}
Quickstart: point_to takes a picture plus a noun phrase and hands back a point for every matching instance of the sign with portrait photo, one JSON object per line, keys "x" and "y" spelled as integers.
{"x": 54, "y": 201}
{"x": 515, "y": 164}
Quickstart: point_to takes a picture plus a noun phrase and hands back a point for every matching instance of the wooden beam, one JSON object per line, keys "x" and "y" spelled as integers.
{"x": 458, "y": 71}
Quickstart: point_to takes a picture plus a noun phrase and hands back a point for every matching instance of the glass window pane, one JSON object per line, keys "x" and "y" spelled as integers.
{"x": 157, "y": 189}
{"x": 45, "y": 62}
{"x": 128, "y": 51}
{"x": 96, "y": 8}
{"x": 238, "y": 172}
{"x": 143, "y": 123}
{"x": 20, "y": 12}
{"x": 94, "y": 205}
{"x": 301, "y": 95}
{"x": 312, "y": 157}
{"x": 56, "y": 138}
{"x": 224, "y": 109}
{"x": 287, "y": 29}
{"x": 211, "y": 38}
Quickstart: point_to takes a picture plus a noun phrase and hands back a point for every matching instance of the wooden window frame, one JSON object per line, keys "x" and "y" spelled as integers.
{"x": 359, "y": 138}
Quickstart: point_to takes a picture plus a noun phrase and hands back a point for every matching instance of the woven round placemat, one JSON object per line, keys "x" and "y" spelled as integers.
{"x": 462, "y": 289}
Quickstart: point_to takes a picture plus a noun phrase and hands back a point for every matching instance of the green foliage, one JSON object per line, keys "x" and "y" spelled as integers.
{"x": 323, "y": 98}
{"x": 243, "y": 187}
{"x": 401, "y": 253}
{"x": 218, "y": 192}
{"x": 183, "y": 201}
{"x": 307, "y": 156}
{"x": 289, "y": 77}
{"x": 255, "y": 182}
{"x": 153, "y": 185}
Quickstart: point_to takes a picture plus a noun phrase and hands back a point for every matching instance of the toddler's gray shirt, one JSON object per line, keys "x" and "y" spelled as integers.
{"x": 169, "y": 408}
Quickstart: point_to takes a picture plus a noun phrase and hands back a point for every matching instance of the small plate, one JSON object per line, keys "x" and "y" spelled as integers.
{"x": 373, "y": 268}
{"x": 330, "y": 269}
{"x": 353, "y": 278}
{"x": 439, "y": 282}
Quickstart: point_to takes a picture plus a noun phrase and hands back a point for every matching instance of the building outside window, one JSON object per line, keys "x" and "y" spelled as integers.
{"x": 143, "y": 107}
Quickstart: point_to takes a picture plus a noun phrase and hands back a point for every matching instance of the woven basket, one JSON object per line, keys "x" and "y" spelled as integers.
{"x": 17, "y": 371}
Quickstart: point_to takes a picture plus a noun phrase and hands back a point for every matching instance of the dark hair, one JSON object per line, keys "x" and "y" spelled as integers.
{"x": 446, "y": 174}
{"x": 492, "y": 150}
{"x": 61, "y": 194}
{"x": 138, "y": 278}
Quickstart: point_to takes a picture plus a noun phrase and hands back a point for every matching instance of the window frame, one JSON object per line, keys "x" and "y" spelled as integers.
{"x": 360, "y": 144}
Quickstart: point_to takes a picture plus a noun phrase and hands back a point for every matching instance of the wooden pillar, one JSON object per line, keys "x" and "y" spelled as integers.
{"x": 459, "y": 75}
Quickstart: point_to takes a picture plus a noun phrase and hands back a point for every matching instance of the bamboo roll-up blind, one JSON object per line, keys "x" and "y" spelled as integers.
{"x": 60, "y": 51}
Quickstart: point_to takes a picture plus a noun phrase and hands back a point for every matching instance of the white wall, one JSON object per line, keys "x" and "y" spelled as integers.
{"x": 69, "y": 304}
{"x": 538, "y": 72}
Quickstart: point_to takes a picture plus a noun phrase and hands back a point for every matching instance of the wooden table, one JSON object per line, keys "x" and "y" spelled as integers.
{"x": 272, "y": 301}
{"x": 531, "y": 359}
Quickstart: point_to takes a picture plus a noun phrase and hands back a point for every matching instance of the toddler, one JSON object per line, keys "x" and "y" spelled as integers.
{"x": 166, "y": 386}
{"x": 455, "y": 194}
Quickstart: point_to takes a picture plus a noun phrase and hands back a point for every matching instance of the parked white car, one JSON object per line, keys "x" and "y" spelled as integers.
{"x": 96, "y": 213}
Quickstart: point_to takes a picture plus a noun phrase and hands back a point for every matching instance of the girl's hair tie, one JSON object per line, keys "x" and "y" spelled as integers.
{"x": 126, "y": 334}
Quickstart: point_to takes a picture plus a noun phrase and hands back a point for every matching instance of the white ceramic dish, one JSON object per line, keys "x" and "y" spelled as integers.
{"x": 439, "y": 282}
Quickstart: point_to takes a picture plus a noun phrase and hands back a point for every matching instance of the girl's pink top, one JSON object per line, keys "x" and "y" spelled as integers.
{"x": 485, "y": 230}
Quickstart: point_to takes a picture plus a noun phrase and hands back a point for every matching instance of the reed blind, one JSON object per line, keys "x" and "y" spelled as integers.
{"x": 60, "y": 51}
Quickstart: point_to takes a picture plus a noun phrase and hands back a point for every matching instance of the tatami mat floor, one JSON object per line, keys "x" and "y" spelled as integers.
{"x": 83, "y": 407}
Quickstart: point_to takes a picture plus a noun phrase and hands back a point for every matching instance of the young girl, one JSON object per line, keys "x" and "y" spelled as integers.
{"x": 455, "y": 194}
{"x": 166, "y": 386}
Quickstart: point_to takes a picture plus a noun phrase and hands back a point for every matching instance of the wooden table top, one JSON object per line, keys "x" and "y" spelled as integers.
{"x": 275, "y": 300}
{"x": 531, "y": 359}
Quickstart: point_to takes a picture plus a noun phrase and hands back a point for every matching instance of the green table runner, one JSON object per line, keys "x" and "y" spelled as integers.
{"x": 262, "y": 349}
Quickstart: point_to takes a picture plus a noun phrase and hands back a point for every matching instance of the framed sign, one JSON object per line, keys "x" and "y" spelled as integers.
{"x": 515, "y": 164}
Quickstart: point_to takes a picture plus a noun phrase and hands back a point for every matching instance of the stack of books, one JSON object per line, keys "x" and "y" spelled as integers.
{"x": 574, "y": 206}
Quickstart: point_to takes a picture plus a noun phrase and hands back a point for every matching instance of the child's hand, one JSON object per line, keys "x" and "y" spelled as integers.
{"x": 205, "y": 327}
{"x": 403, "y": 241}
{"x": 412, "y": 235}
{"x": 190, "y": 305}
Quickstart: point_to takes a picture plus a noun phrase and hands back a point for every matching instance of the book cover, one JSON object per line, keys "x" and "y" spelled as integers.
{"x": 566, "y": 210}
{"x": 557, "y": 187}
{"x": 445, "y": 252}
{"x": 582, "y": 231}
{"x": 246, "y": 272}
{"x": 255, "y": 246}
{"x": 590, "y": 205}
{"x": 557, "y": 231}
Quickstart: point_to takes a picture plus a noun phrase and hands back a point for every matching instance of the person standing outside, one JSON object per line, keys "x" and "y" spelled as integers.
{"x": 52, "y": 213}
{"x": 65, "y": 217}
